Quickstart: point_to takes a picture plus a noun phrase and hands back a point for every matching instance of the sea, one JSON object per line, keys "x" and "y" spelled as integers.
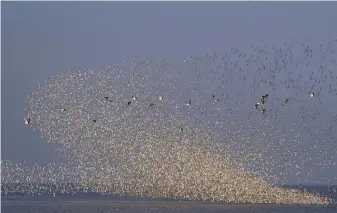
{"x": 94, "y": 203}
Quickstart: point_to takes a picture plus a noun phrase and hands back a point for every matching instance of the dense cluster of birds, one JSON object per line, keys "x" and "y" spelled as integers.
{"x": 213, "y": 127}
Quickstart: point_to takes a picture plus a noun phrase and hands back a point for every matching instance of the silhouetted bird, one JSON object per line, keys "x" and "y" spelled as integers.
{"x": 264, "y": 96}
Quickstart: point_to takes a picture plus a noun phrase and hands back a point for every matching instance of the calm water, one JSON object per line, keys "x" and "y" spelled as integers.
{"x": 90, "y": 203}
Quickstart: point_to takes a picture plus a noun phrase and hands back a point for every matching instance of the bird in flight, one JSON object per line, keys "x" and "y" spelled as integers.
{"x": 27, "y": 120}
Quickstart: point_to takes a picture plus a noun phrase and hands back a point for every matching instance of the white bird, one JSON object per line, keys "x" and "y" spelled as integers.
{"x": 161, "y": 98}
{"x": 27, "y": 120}
{"x": 312, "y": 95}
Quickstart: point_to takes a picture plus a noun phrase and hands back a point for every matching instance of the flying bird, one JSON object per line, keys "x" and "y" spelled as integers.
{"x": 263, "y": 99}
{"x": 312, "y": 95}
{"x": 256, "y": 105}
{"x": 264, "y": 96}
{"x": 27, "y": 120}
{"x": 215, "y": 99}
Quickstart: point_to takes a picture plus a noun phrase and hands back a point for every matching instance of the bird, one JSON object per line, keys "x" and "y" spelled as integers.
{"x": 161, "y": 98}
{"x": 215, "y": 99}
{"x": 262, "y": 101}
{"x": 107, "y": 99}
{"x": 129, "y": 102}
{"x": 151, "y": 104}
{"x": 188, "y": 103}
{"x": 263, "y": 98}
{"x": 27, "y": 120}
{"x": 286, "y": 100}
{"x": 256, "y": 105}
{"x": 94, "y": 120}
{"x": 263, "y": 111}
{"x": 63, "y": 110}
{"x": 312, "y": 95}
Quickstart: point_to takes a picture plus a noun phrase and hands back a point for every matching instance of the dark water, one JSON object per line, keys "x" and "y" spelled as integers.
{"x": 90, "y": 203}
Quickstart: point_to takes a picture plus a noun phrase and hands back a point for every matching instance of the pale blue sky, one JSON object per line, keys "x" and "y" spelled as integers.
{"x": 44, "y": 38}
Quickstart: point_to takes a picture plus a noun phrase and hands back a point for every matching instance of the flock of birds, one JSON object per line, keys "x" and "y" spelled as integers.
{"x": 215, "y": 127}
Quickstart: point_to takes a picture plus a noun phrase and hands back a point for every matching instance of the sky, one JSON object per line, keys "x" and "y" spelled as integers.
{"x": 41, "y": 39}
